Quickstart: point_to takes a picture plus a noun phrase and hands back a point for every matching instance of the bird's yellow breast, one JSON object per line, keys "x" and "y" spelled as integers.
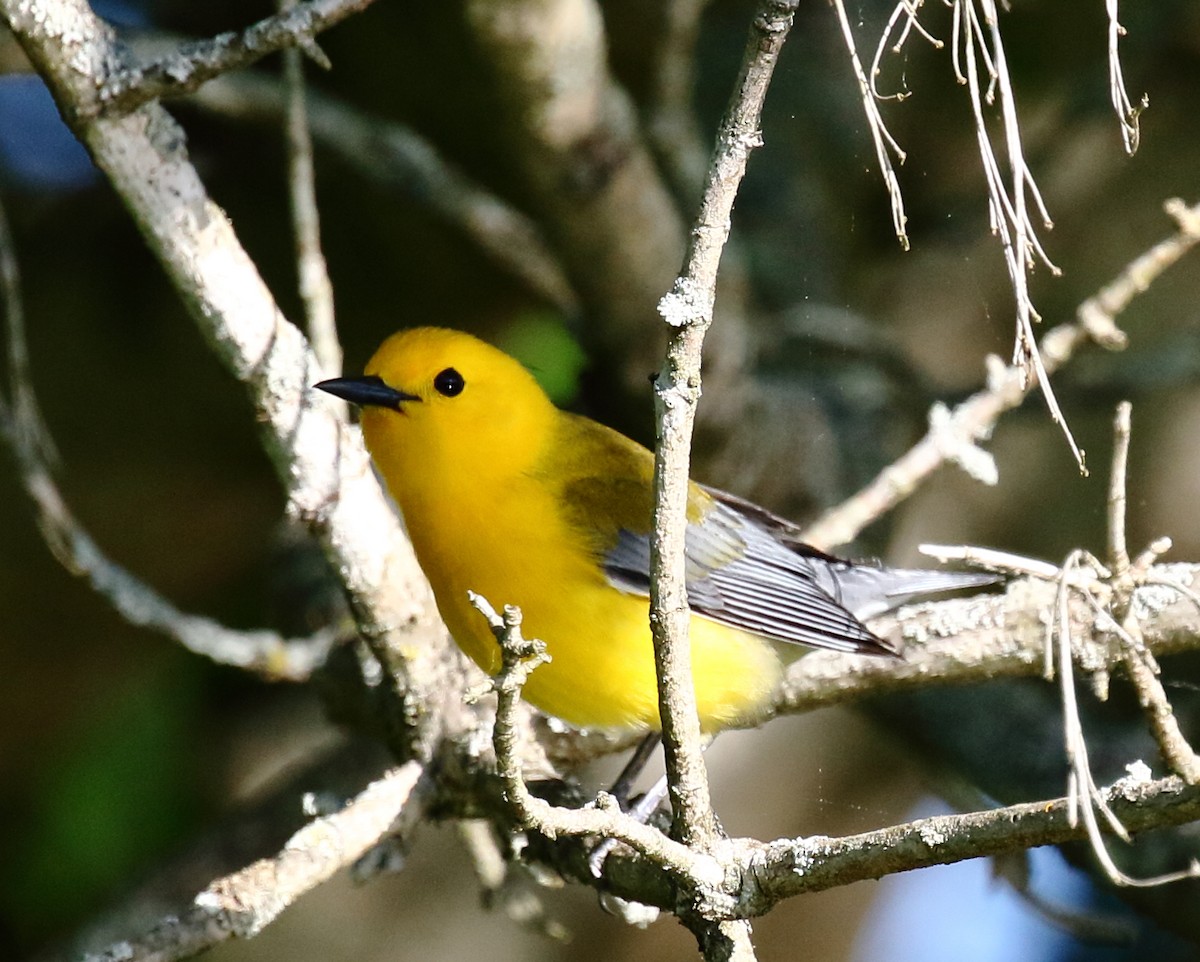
{"x": 507, "y": 496}
{"x": 516, "y": 541}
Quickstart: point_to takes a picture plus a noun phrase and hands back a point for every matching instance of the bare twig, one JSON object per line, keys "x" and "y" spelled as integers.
{"x": 395, "y": 156}
{"x": 499, "y": 881}
{"x": 1140, "y": 664}
{"x": 574, "y": 140}
{"x": 1128, "y": 116}
{"x": 953, "y": 435}
{"x": 965, "y": 641}
{"x": 321, "y": 462}
{"x": 197, "y": 247}
{"x": 1099, "y": 311}
{"x": 885, "y": 144}
{"x": 1008, "y": 207}
{"x": 688, "y": 309}
{"x": 316, "y": 292}
{"x": 242, "y": 904}
{"x": 788, "y": 867}
{"x": 909, "y": 10}
{"x": 1082, "y": 575}
{"x": 1118, "y": 551}
{"x": 980, "y": 64}
{"x": 126, "y": 87}
{"x": 990, "y": 559}
{"x": 1083, "y": 794}
{"x": 1175, "y": 748}
{"x": 263, "y": 652}
{"x": 520, "y": 657}
{"x": 254, "y": 830}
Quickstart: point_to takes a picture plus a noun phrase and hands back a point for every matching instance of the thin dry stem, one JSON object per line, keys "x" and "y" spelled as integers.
{"x": 885, "y": 143}
{"x": 978, "y": 33}
{"x": 1118, "y": 551}
{"x": 265, "y": 653}
{"x": 499, "y": 878}
{"x": 688, "y": 310}
{"x": 1084, "y": 796}
{"x": 394, "y": 157}
{"x": 979, "y": 62}
{"x": 185, "y": 69}
{"x": 242, "y": 904}
{"x": 1127, "y": 577}
{"x": 953, "y": 436}
{"x": 316, "y": 291}
{"x": 519, "y": 658}
{"x": 1128, "y": 116}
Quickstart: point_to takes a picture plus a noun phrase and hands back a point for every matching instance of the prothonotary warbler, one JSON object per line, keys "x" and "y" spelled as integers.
{"x": 505, "y": 495}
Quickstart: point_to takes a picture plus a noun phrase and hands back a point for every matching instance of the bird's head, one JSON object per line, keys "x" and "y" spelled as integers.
{"x": 440, "y": 403}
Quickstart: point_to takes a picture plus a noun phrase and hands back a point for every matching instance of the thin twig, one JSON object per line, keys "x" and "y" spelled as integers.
{"x": 1007, "y": 387}
{"x": 1172, "y": 743}
{"x": 394, "y": 156}
{"x": 1118, "y": 551}
{"x": 910, "y": 10}
{"x": 263, "y": 652}
{"x": 20, "y": 416}
{"x": 316, "y": 291}
{"x": 1084, "y": 796}
{"x": 575, "y": 142}
{"x": 192, "y": 64}
{"x": 1009, "y": 211}
{"x": 688, "y": 309}
{"x": 1128, "y": 116}
{"x": 788, "y": 867}
{"x": 1140, "y": 664}
{"x": 242, "y": 904}
{"x": 498, "y": 881}
{"x": 885, "y": 144}
{"x": 977, "y": 53}
{"x": 520, "y": 657}
{"x": 322, "y": 463}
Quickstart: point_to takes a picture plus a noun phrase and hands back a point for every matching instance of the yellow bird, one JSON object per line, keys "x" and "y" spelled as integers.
{"x": 505, "y": 495}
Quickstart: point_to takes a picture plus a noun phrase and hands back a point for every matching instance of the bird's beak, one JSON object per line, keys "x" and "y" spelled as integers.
{"x": 366, "y": 391}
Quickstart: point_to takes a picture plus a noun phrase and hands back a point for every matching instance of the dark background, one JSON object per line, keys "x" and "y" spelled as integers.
{"x": 118, "y": 747}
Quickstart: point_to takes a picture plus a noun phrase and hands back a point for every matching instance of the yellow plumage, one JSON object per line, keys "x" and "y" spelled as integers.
{"x": 507, "y": 496}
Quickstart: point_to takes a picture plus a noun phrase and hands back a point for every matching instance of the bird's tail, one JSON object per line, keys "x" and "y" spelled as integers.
{"x": 868, "y": 590}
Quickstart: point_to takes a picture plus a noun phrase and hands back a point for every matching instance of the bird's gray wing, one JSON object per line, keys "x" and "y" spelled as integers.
{"x": 865, "y": 588}
{"x": 739, "y": 574}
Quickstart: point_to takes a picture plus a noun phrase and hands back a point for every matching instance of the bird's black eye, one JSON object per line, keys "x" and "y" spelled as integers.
{"x": 449, "y": 382}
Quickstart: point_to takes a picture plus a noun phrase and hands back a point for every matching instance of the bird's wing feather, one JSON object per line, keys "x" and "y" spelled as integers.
{"x": 739, "y": 575}
{"x": 746, "y": 567}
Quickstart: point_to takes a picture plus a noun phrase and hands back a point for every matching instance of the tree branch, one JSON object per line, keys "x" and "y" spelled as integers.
{"x": 242, "y": 904}
{"x": 265, "y": 653}
{"x": 574, "y": 139}
{"x": 124, "y": 87}
{"x": 972, "y": 640}
{"x": 320, "y": 460}
{"x": 688, "y": 308}
{"x": 953, "y": 434}
{"x": 778, "y": 870}
{"x": 316, "y": 291}
{"x": 395, "y": 156}
{"x": 520, "y": 657}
